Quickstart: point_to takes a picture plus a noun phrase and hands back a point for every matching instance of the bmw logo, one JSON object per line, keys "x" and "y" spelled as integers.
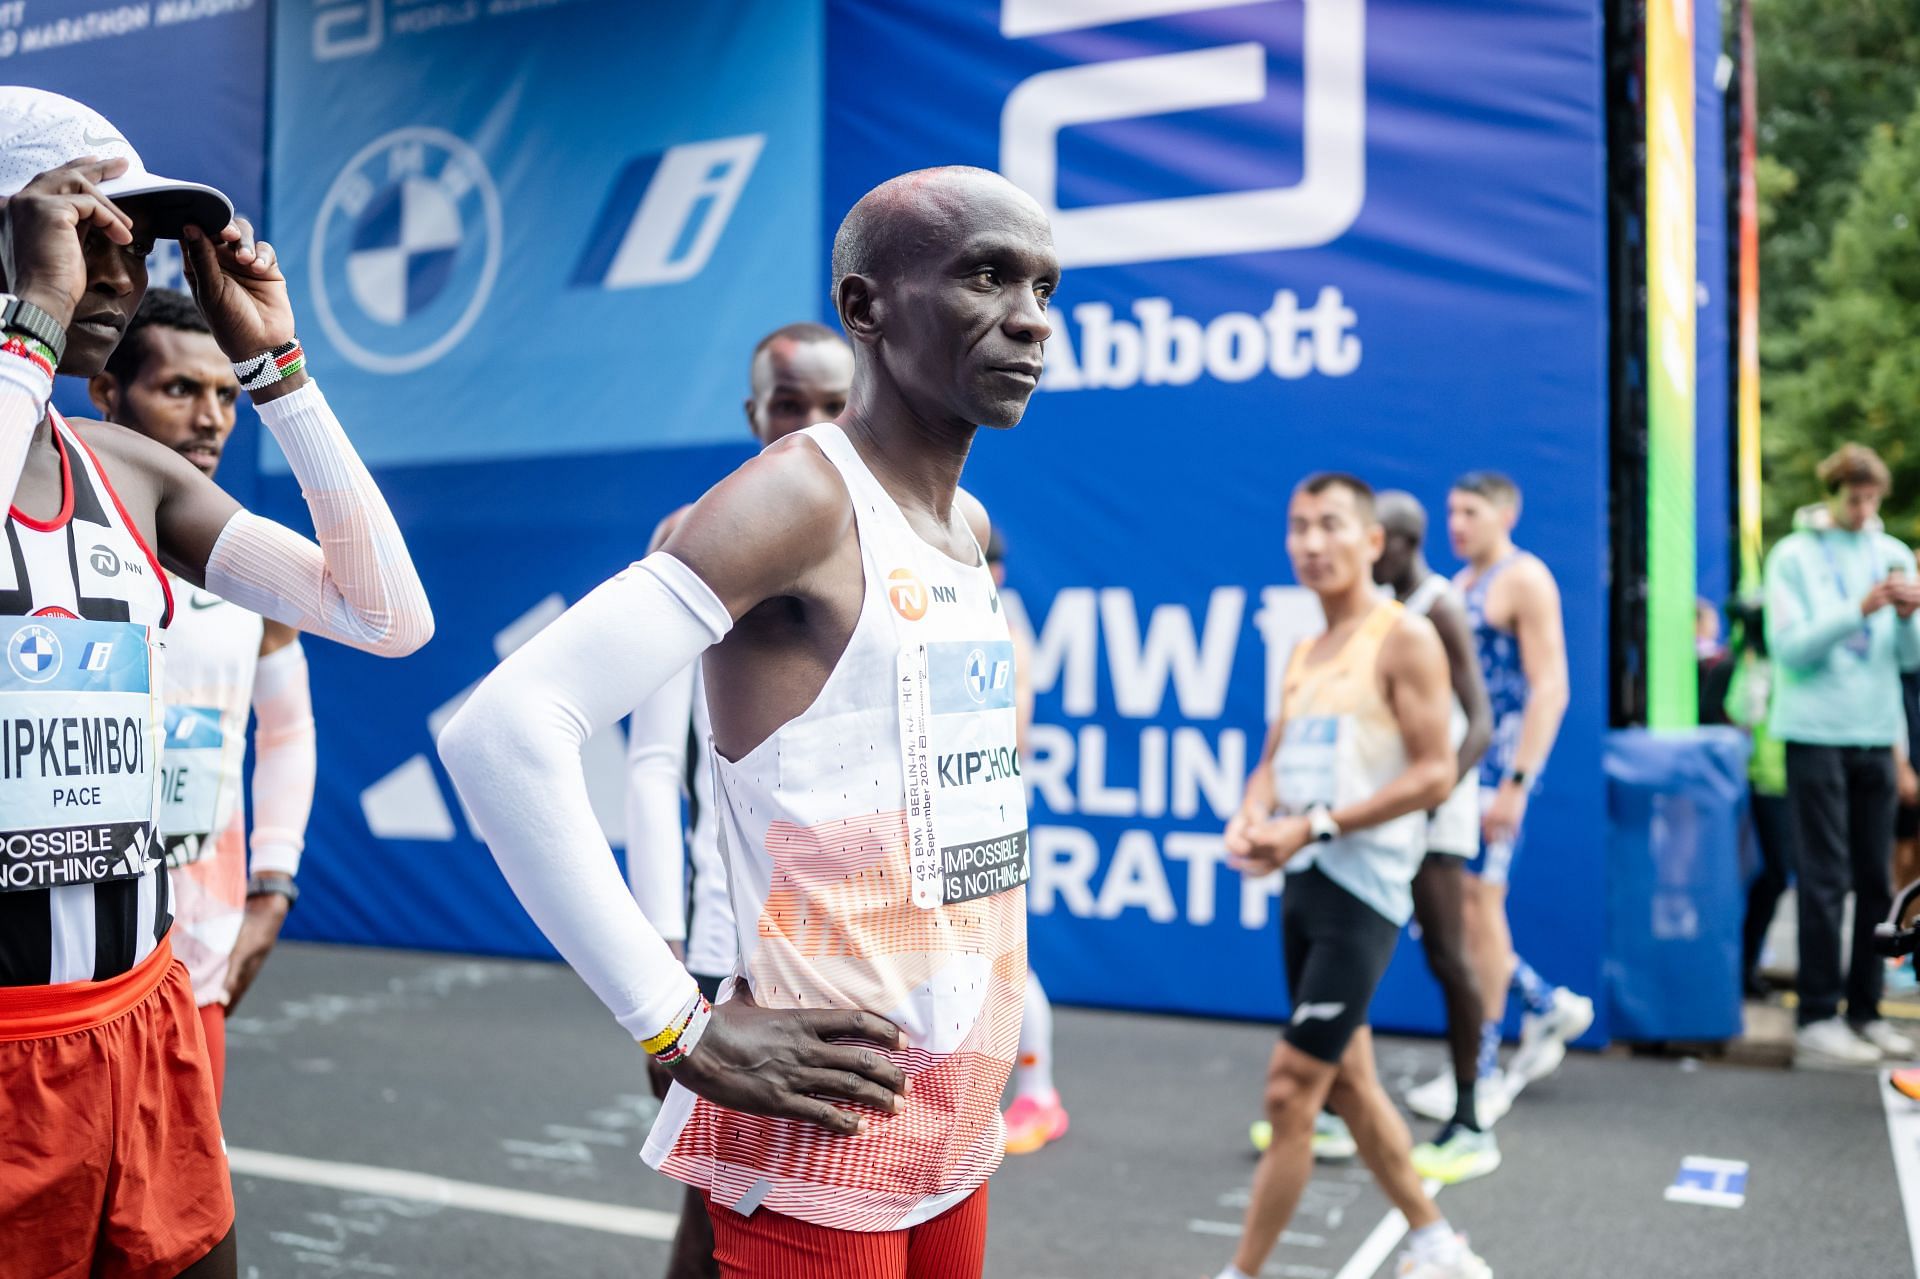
{"x": 406, "y": 249}
{"x": 977, "y": 675}
{"x": 34, "y": 654}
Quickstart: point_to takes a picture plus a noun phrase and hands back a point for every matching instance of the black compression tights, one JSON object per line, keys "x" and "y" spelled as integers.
{"x": 1439, "y": 895}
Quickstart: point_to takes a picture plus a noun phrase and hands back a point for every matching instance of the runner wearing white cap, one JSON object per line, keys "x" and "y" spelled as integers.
{"x": 111, "y": 1163}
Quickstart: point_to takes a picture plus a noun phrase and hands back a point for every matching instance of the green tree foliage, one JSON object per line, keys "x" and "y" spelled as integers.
{"x": 1839, "y": 187}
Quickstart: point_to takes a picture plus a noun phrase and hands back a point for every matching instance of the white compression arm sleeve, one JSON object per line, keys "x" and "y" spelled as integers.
{"x": 24, "y": 393}
{"x": 358, "y": 586}
{"x": 283, "y": 759}
{"x": 513, "y": 751}
{"x": 656, "y": 763}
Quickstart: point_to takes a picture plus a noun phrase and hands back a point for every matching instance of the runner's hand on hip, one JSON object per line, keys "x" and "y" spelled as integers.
{"x": 789, "y": 1063}
{"x": 236, "y": 280}
{"x": 43, "y": 230}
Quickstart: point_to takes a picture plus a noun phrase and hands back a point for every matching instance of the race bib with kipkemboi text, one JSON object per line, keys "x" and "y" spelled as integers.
{"x": 78, "y": 782}
{"x": 966, "y": 802}
{"x": 190, "y": 776}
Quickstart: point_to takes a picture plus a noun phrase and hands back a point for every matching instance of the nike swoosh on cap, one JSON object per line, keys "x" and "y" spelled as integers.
{"x": 96, "y": 140}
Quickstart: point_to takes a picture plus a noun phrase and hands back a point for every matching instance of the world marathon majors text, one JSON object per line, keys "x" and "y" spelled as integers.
{"x": 104, "y": 24}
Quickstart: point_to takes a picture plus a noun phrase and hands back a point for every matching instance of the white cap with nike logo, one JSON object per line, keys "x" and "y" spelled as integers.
{"x": 41, "y": 131}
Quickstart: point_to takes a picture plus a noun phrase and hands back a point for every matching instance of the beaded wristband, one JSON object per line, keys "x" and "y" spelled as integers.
{"x": 32, "y": 349}
{"x": 681, "y": 1033}
{"x": 689, "y": 1037}
{"x": 263, "y": 370}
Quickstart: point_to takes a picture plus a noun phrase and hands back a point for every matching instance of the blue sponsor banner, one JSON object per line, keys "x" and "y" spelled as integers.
{"x": 519, "y": 230}
{"x": 1330, "y": 234}
{"x": 531, "y": 248}
{"x": 186, "y": 82}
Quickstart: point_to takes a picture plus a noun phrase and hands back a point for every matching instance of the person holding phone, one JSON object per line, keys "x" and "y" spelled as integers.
{"x": 1840, "y": 625}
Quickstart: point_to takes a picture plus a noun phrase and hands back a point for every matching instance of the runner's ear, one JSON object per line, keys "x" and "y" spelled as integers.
{"x": 859, "y": 306}
{"x": 104, "y": 390}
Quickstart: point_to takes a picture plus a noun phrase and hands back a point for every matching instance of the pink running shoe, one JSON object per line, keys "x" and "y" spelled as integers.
{"x": 1032, "y": 1122}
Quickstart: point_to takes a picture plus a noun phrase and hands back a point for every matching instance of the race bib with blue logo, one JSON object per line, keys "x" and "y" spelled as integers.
{"x": 966, "y": 803}
{"x": 1306, "y": 767}
{"x": 190, "y": 776}
{"x": 78, "y": 786}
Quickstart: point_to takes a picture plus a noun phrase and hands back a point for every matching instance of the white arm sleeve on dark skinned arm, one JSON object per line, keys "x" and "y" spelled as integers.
{"x": 513, "y": 751}
{"x": 283, "y": 760}
{"x": 656, "y": 761}
{"x": 358, "y": 586}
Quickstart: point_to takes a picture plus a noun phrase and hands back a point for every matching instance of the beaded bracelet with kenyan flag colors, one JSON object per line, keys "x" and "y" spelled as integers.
{"x": 682, "y": 1033}
{"x": 28, "y": 348}
{"x": 263, "y": 370}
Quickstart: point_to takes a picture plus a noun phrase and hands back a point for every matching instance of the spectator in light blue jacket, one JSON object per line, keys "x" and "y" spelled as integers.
{"x": 1841, "y": 625}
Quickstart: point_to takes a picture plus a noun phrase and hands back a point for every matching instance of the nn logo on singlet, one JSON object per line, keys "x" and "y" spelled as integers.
{"x": 907, "y": 593}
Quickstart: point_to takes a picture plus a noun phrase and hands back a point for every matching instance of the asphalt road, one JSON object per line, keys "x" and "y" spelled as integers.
{"x": 499, "y": 1075}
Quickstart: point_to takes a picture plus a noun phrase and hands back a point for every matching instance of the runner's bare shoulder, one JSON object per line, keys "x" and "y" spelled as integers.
{"x": 764, "y": 529}
{"x": 1413, "y": 645}
{"x": 664, "y": 529}
{"x": 141, "y": 471}
{"x": 120, "y": 448}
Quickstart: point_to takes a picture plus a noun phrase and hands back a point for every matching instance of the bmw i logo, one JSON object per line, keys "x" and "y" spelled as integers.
{"x": 34, "y": 654}
{"x": 406, "y": 249}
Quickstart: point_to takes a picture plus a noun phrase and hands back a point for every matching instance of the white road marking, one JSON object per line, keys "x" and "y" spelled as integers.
{"x": 1903, "y": 1131}
{"x": 1379, "y": 1245}
{"x": 638, "y": 1223}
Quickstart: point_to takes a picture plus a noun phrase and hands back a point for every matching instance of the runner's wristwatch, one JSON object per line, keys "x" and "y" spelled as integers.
{"x": 273, "y": 885}
{"x": 1320, "y": 822}
{"x": 17, "y": 315}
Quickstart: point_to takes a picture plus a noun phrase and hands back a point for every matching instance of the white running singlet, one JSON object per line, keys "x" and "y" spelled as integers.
{"x": 711, "y": 944}
{"x": 213, "y": 649}
{"x": 900, "y": 784}
{"x": 87, "y": 562}
{"x": 1340, "y": 743}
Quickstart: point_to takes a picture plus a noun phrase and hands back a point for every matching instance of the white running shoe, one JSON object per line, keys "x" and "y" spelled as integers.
{"x": 1332, "y": 1139}
{"x": 1891, "y": 1043}
{"x": 1435, "y": 1099}
{"x": 1454, "y": 1262}
{"x": 1544, "y": 1037}
{"x": 1830, "y": 1043}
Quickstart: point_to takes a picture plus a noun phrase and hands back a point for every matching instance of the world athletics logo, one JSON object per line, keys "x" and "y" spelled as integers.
{"x": 406, "y": 249}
